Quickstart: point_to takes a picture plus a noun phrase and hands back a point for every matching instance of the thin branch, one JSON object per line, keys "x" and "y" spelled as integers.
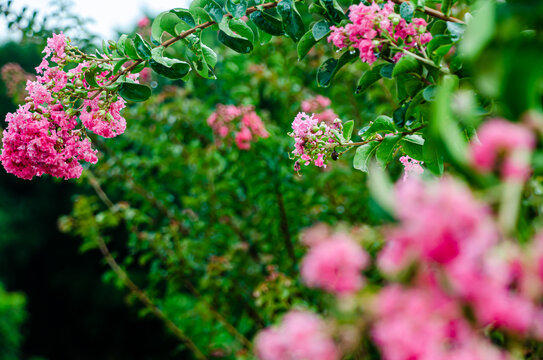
{"x": 123, "y": 276}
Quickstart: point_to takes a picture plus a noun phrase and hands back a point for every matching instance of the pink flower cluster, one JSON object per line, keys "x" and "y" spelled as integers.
{"x": 499, "y": 136}
{"x": 242, "y": 121}
{"x": 314, "y": 141}
{"x": 43, "y": 136}
{"x": 44, "y": 143}
{"x": 460, "y": 263}
{"x": 334, "y": 262}
{"x": 301, "y": 336}
{"x": 425, "y": 324}
{"x": 319, "y": 106}
{"x": 372, "y": 27}
{"x": 411, "y": 167}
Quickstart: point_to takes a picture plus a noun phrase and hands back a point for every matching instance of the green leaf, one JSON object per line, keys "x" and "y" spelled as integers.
{"x": 348, "y": 130}
{"x": 242, "y": 29}
{"x": 385, "y": 151}
{"x": 134, "y": 92}
{"x": 414, "y": 138}
{"x": 443, "y": 123}
{"x": 480, "y": 30}
{"x": 121, "y": 43}
{"x": 263, "y": 37}
{"x": 105, "y": 48}
{"x": 305, "y": 44}
{"x": 429, "y": 93}
{"x": 237, "y": 9}
{"x": 142, "y": 48}
{"x": 118, "y": 65}
{"x": 156, "y": 28}
{"x": 130, "y": 49}
{"x": 363, "y": 155}
{"x": 406, "y": 11}
{"x": 456, "y": 30}
{"x": 292, "y": 21}
{"x": 406, "y": 64}
{"x": 168, "y": 21}
{"x": 369, "y": 78}
{"x": 215, "y": 10}
{"x": 333, "y": 9}
{"x": 320, "y": 29}
{"x": 381, "y": 124}
{"x": 209, "y": 55}
{"x": 330, "y": 67}
{"x": 399, "y": 115}
{"x": 200, "y": 13}
{"x": 237, "y": 44}
{"x": 446, "y": 6}
{"x": 90, "y": 77}
{"x": 437, "y": 41}
{"x": 433, "y": 160}
{"x": 413, "y": 150}
{"x": 386, "y": 71}
{"x": 167, "y": 67}
{"x": 184, "y": 15}
{"x": 267, "y": 23}
{"x": 416, "y": 101}
{"x": 236, "y": 38}
{"x": 438, "y": 28}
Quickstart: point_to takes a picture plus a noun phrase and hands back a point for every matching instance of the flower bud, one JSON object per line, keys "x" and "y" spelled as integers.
{"x": 409, "y": 39}
{"x": 376, "y": 42}
{"x": 79, "y": 83}
{"x": 109, "y": 117}
{"x": 315, "y": 129}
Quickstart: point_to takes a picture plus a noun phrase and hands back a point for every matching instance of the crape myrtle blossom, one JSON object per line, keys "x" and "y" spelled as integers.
{"x": 404, "y": 316}
{"x": 314, "y": 141}
{"x": 453, "y": 241}
{"x": 44, "y": 135}
{"x": 498, "y": 137}
{"x": 301, "y": 335}
{"x": 334, "y": 262}
{"x": 241, "y": 121}
{"x": 319, "y": 106}
{"x": 372, "y": 27}
{"x": 411, "y": 167}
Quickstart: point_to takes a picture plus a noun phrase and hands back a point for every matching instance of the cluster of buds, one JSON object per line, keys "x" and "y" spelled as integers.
{"x": 374, "y": 29}
{"x": 315, "y": 141}
{"x": 48, "y": 134}
{"x": 241, "y": 121}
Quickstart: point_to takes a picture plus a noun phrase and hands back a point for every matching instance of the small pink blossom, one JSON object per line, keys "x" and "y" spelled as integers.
{"x": 411, "y": 167}
{"x": 242, "y": 121}
{"x": 143, "y": 22}
{"x": 498, "y": 136}
{"x": 301, "y": 336}
{"x": 335, "y": 265}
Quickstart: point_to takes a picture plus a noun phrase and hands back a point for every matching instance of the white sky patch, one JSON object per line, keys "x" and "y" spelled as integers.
{"x": 108, "y": 15}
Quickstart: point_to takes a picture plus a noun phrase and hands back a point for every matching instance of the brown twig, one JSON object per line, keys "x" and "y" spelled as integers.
{"x": 123, "y": 276}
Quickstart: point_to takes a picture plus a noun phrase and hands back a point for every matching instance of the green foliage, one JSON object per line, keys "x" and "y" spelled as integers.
{"x": 12, "y": 316}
